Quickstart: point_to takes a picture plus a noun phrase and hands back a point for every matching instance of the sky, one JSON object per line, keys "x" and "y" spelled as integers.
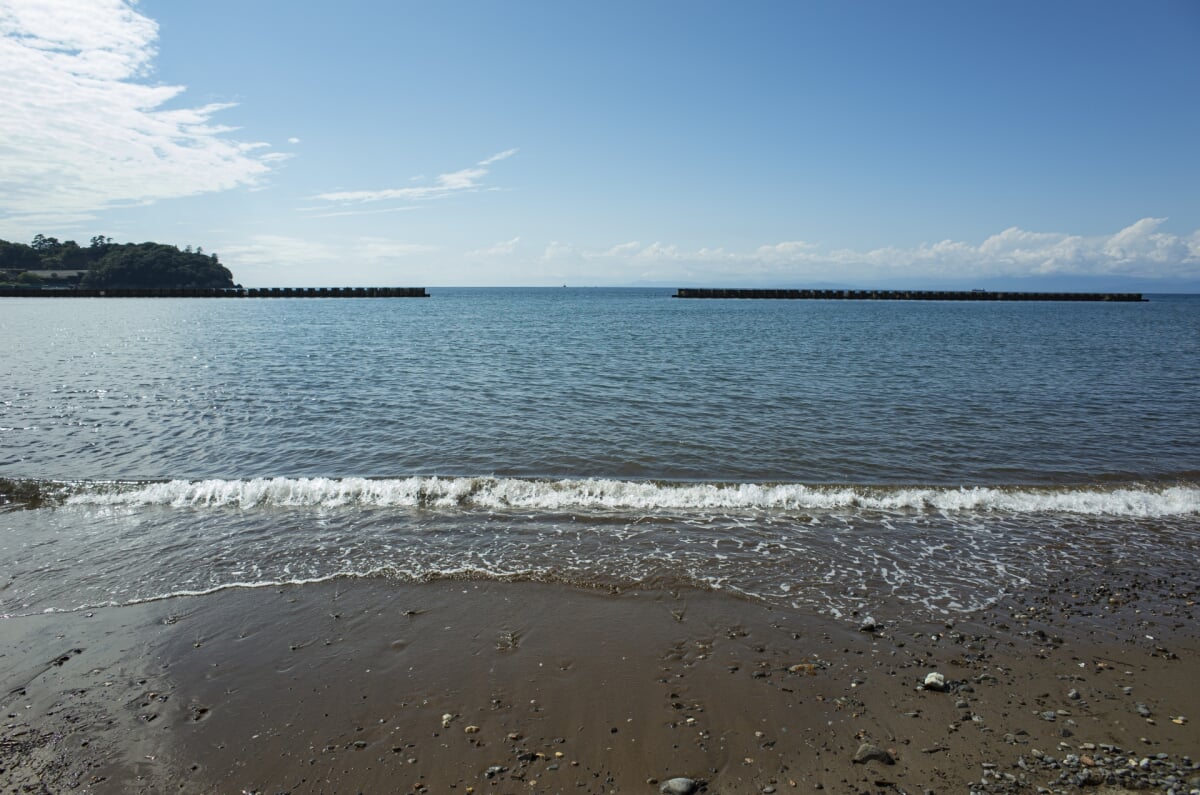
{"x": 642, "y": 142}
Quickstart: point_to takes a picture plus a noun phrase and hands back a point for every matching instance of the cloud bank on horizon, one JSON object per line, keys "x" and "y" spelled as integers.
{"x": 93, "y": 139}
{"x": 1138, "y": 251}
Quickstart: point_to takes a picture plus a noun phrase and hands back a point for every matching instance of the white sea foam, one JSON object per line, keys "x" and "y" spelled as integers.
{"x": 597, "y": 495}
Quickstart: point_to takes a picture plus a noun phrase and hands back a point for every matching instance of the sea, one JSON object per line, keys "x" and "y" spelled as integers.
{"x": 840, "y": 458}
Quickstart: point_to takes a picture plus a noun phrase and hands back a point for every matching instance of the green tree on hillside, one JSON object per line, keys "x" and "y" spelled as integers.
{"x": 110, "y": 265}
{"x": 18, "y": 257}
{"x": 155, "y": 265}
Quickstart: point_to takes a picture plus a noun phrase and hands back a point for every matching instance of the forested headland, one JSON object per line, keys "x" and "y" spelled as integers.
{"x": 47, "y": 263}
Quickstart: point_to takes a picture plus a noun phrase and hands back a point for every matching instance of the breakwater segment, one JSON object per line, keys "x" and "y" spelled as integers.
{"x": 219, "y": 292}
{"x": 902, "y": 295}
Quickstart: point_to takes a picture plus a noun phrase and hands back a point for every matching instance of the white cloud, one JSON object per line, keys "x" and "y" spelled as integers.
{"x": 501, "y": 249}
{"x": 1142, "y": 242}
{"x": 271, "y": 260}
{"x": 81, "y": 129}
{"x": 465, "y": 180}
{"x": 789, "y": 249}
{"x": 1139, "y": 250}
{"x": 557, "y": 251}
{"x": 624, "y": 249}
{"x": 1135, "y": 251}
{"x": 378, "y": 249}
{"x": 293, "y": 140}
{"x": 507, "y": 153}
{"x": 342, "y": 213}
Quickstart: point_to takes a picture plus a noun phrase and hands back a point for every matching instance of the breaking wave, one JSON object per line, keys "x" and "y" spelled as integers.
{"x": 1134, "y": 500}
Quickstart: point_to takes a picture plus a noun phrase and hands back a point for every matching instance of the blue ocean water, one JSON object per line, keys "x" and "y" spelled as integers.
{"x": 829, "y": 455}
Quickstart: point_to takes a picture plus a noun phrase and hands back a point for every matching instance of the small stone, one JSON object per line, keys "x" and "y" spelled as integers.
{"x": 446, "y": 718}
{"x": 1073, "y": 694}
{"x": 872, "y": 753}
{"x": 868, "y": 625}
{"x": 935, "y": 681}
{"x": 471, "y": 729}
{"x": 678, "y": 786}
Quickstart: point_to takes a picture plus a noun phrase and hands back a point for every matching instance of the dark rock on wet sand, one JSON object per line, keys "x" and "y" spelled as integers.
{"x": 872, "y": 753}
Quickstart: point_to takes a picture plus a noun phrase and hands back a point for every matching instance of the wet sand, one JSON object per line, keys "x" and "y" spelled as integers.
{"x": 480, "y": 687}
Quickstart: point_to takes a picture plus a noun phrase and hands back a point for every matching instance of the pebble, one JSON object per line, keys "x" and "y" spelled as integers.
{"x": 872, "y": 753}
{"x": 678, "y": 786}
{"x": 935, "y": 681}
{"x": 1124, "y": 771}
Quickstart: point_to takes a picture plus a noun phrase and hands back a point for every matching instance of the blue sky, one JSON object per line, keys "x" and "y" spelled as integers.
{"x": 538, "y": 143}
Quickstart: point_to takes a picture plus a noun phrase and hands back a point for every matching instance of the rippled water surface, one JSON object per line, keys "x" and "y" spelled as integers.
{"x": 826, "y": 454}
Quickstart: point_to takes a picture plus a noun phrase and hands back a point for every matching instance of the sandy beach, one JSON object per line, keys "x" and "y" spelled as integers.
{"x": 479, "y": 686}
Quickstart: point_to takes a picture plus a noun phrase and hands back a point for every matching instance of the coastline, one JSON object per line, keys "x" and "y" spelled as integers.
{"x": 342, "y": 686}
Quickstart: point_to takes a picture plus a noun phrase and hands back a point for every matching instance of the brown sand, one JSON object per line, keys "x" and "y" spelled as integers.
{"x": 342, "y": 687}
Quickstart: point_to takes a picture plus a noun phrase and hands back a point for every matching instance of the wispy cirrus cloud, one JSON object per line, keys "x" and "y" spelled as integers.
{"x": 81, "y": 127}
{"x": 464, "y": 180}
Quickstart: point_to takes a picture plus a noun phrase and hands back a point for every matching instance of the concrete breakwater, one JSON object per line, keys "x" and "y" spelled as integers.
{"x": 902, "y": 295}
{"x": 222, "y": 292}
